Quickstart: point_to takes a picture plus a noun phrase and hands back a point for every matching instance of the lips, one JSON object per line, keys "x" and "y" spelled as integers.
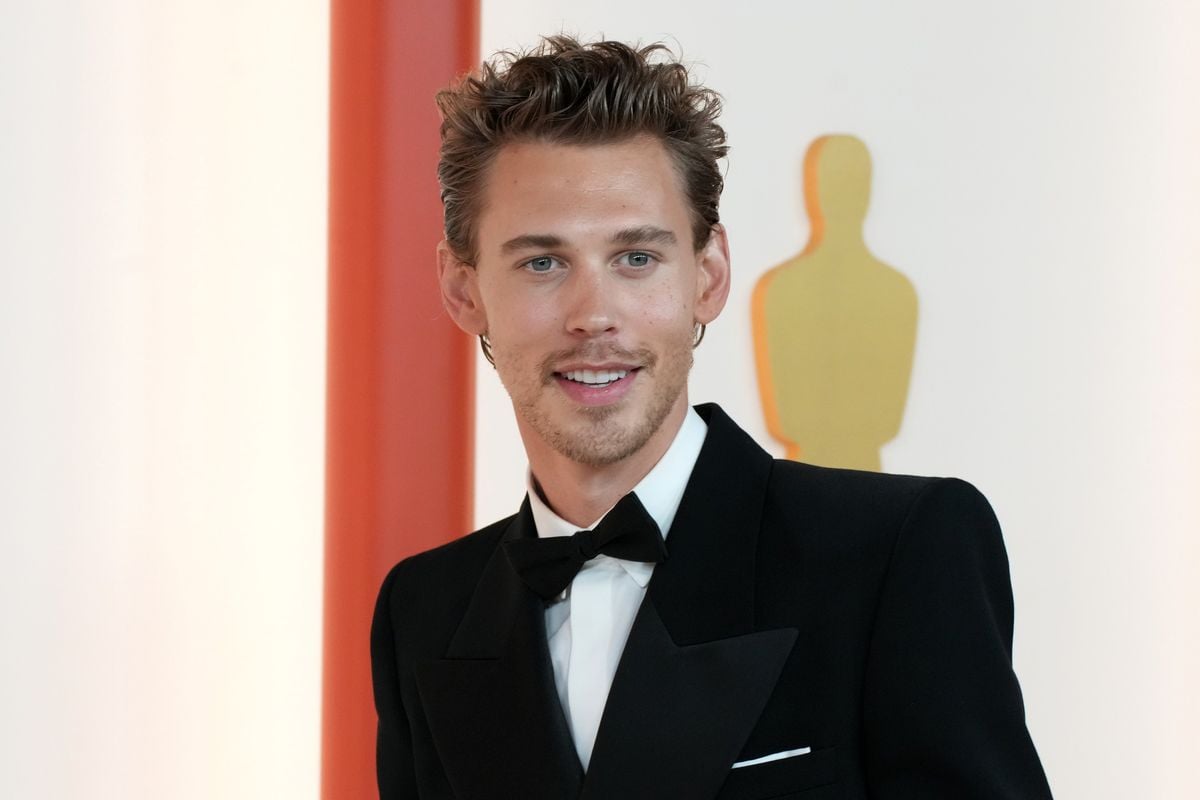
{"x": 596, "y": 386}
{"x": 595, "y": 377}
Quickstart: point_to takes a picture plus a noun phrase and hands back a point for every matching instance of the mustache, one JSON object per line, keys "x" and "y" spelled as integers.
{"x": 594, "y": 353}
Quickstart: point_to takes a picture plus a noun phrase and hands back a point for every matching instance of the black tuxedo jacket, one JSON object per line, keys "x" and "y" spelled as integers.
{"x": 867, "y": 617}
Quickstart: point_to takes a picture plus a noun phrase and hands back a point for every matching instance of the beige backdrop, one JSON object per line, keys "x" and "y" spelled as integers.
{"x": 162, "y": 317}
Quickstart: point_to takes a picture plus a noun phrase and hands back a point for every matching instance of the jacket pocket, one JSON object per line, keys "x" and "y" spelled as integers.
{"x": 781, "y": 778}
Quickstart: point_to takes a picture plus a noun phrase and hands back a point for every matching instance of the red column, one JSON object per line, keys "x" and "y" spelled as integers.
{"x": 399, "y": 435}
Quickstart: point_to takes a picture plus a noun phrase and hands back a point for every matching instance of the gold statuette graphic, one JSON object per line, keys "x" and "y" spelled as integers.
{"x": 835, "y": 327}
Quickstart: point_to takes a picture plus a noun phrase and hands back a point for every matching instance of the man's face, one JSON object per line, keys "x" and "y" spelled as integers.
{"x": 589, "y": 288}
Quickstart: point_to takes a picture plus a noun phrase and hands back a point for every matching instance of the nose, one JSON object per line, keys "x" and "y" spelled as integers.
{"x": 592, "y": 302}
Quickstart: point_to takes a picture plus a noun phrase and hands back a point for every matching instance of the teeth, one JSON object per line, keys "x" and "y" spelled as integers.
{"x": 594, "y": 377}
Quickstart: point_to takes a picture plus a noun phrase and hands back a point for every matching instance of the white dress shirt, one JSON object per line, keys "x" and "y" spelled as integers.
{"x": 587, "y": 627}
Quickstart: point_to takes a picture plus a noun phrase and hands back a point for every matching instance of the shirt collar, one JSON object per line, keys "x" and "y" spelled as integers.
{"x": 660, "y": 492}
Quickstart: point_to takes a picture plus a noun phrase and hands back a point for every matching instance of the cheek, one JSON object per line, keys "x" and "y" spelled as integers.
{"x": 667, "y": 310}
{"x": 520, "y": 318}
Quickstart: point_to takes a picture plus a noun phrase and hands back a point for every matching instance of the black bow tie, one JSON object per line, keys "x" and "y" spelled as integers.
{"x": 548, "y": 565}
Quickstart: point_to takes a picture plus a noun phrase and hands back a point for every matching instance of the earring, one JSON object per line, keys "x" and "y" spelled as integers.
{"x": 485, "y": 344}
{"x": 700, "y": 327}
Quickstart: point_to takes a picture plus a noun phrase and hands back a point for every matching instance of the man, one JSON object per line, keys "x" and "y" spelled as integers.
{"x": 734, "y": 626}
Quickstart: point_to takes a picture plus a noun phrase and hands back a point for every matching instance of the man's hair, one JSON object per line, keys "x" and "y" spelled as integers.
{"x": 564, "y": 91}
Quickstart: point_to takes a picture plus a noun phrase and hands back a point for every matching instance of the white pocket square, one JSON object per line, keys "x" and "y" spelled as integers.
{"x": 800, "y": 751}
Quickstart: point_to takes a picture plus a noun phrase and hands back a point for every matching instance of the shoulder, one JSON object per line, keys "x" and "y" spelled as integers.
{"x": 442, "y": 578}
{"x": 828, "y": 497}
{"x": 842, "y": 489}
{"x": 454, "y": 556}
{"x": 846, "y": 517}
{"x": 876, "y": 516}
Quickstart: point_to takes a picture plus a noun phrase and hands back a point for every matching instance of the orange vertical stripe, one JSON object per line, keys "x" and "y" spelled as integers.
{"x": 399, "y": 415}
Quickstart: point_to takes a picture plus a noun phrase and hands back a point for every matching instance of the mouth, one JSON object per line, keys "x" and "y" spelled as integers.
{"x": 595, "y": 378}
{"x": 596, "y": 386}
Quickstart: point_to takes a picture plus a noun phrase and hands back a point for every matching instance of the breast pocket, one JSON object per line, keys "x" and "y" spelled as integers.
{"x": 783, "y": 778}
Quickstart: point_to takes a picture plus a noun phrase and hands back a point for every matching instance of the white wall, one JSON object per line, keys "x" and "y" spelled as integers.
{"x": 162, "y": 279}
{"x": 1037, "y": 177}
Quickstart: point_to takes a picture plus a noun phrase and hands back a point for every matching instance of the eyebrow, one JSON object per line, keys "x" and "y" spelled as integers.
{"x": 644, "y": 234}
{"x": 531, "y": 241}
{"x": 627, "y": 237}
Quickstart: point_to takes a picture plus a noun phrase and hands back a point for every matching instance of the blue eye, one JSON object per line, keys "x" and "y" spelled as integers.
{"x": 637, "y": 259}
{"x": 541, "y": 264}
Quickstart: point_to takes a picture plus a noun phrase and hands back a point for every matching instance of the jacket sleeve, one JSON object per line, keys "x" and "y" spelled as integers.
{"x": 943, "y": 716}
{"x": 393, "y": 742}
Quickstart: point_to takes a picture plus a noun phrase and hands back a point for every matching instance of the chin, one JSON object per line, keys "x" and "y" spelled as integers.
{"x": 609, "y": 444}
{"x": 600, "y": 436}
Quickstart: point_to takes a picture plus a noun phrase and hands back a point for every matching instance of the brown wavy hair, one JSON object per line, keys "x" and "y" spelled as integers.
{"x": 564, "y": 91}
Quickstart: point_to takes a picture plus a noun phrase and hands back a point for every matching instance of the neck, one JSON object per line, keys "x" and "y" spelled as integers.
{"x": 581, "y": 493}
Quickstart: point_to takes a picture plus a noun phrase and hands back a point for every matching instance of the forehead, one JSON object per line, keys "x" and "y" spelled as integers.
{"x": 577, "y": 192}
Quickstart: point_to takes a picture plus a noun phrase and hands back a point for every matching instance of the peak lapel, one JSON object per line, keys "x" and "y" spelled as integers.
{"x": 696, "y": 673}
{"x": 491, "y": 702}
{"x": 677, "y": 716}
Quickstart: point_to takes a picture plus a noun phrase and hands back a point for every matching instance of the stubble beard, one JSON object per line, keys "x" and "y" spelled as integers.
{"x": 597, "y": 436}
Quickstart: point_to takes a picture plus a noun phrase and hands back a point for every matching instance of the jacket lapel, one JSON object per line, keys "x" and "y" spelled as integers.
{"x": 491, "y": 703}
{"x": 696, "y": 673}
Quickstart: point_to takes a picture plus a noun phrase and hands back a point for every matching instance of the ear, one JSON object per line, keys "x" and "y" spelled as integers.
{"x": 712, "y": 276}
{"x": 460, "y": 291}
